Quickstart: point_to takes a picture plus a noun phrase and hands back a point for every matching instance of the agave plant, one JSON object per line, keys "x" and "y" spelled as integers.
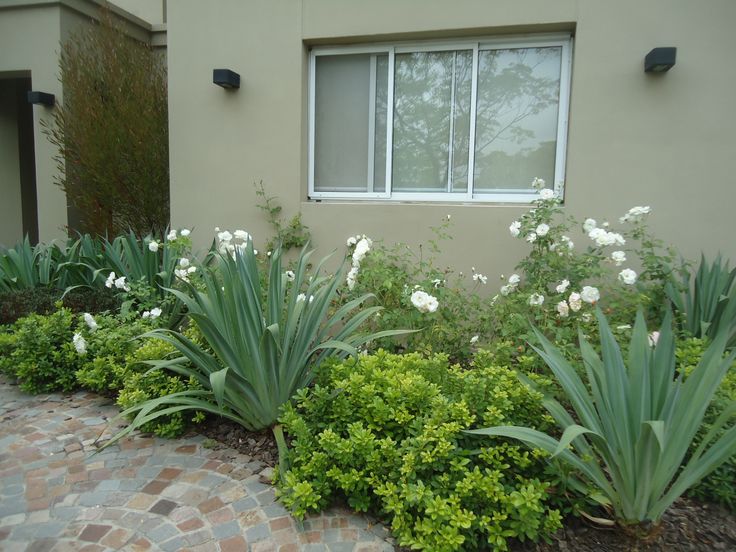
{"x": 709, "y": 304}
{"x": 27, "y": 266}
{"x": 258, "y": 353}
{"x": 632, "y": 427}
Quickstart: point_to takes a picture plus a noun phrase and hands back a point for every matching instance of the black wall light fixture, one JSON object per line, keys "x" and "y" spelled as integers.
{"x": 226, "y": 78}
{"x": 660, "y": 60}
{"x": 43, "y": 98}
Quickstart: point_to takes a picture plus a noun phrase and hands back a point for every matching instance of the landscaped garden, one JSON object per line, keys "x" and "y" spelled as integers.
{"x": 587, "y": 399}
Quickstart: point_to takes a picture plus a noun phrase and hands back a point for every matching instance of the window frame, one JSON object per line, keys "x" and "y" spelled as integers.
{"x": 476, "y": 45}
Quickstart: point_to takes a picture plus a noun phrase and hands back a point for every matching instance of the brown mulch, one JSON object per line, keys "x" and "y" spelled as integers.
{"x": 689, "y": 526}
{"x": 260, "y": 446}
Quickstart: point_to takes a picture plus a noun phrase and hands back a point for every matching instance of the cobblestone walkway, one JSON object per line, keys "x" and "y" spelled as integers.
{"x": 145, "y": 494}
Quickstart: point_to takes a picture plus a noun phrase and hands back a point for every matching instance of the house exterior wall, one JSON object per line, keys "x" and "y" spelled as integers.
{"x": 29, "y": 40}
{"x": 31, "y": 33}
{"x": 634, "y": 138}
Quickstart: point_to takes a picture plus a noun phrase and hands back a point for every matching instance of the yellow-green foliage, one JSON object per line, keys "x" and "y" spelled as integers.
{"x": 719, "y": 486}
{"x": 41, "y": 354}
{"x": 140, "y": 385}
{"x": 386, "y": 434}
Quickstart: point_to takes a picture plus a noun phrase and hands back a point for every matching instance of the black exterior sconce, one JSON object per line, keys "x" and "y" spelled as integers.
{"x": 660, "y": 60}
{"x": 42, "y": 98}
{"x": 226, "y": 78}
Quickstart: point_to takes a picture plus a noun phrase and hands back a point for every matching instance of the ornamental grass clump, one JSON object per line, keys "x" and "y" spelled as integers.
{"x": 256, "y": 352}
{"x": 634, "y": 422}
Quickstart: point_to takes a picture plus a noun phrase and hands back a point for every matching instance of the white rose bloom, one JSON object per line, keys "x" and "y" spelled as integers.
{"x": 590, "y": 294}
{"x": 184, "y": 232}
{"x": 536, "y": 300}
{"x": 587, "y": 317}
{"x": 351, "y": 241}
{"x": 567, "y": 241}
{"x": 589, "y": 224}
{"x": 361, "y": 250}
{"x": 515, "y": 228}
{"x": 627, "y": 276}
{"x": 473, "y": 339}
{"x": 183, "y": 262}
{"x": 351, "y": 277}
{"x": 563, "y": 309}
{"x": 120, "y": 284}
{"x": 146, "y": 314}
{"x": 110, "y": 280}
{"x": 79, "y": 343}
{"x": 290, "y": 276}
{"x": 562, "y": 287}
{"x": 424, "y": 302}
{"x": 90, "y": 321}
{"x": 191, "y": 270}
{"x": 575, "y": 302}
{"x": 241, "y": 235}
{"x": 547, "y": 194}
{"x": 618, "y": 257}
{"x": 542, "y": 229}
{"x": 531, "y": 237}
{"x": 153, "y": 246}
{"x": 514, "y": 279}
{"x": 506, "y": 289}
{"x": 480, "y": 278}
{"x": 155, "y": 313}
{"x": 635, "y": 214}
{"x": 538, "y": 183}
{"x": 225, "y": 236}
{"x": 171, "y": 236}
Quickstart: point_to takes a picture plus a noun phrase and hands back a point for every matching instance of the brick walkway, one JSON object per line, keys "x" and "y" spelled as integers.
{"x": 146, "y": 494}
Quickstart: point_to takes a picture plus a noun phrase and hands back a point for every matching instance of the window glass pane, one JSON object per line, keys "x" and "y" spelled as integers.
{"x": 381, "y": 92}
{"x": 346, "y": 120}
{"x": 516, "y": 122}
{"x": 431, "y": 105}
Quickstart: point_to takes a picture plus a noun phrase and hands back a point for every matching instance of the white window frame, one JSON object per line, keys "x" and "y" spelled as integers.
{"x": 476, "y": 45}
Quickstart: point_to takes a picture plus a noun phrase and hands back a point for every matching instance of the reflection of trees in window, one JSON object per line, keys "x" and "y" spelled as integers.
{"x": 431, "y": 120}
{"x": 516, "y": 121}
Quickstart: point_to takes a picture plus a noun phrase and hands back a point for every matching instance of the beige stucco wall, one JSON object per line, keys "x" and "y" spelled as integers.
{"x": 29, "y": 40}
{"x": 666, "y": 140}
{"x": 11, "y": 216}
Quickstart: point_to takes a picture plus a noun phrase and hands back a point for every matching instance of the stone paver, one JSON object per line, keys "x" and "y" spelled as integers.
{"x": 143, "y": 493}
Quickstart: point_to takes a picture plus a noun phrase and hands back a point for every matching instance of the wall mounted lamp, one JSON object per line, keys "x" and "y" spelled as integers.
{"x": 226, "y": 78}
{"x": 660, "y": 60}
{"x": 43, "y": 98}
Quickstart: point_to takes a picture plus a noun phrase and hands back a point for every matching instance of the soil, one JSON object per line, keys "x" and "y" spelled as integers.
{"x": 688, "y": 526}
{"x": 260, "y": 446}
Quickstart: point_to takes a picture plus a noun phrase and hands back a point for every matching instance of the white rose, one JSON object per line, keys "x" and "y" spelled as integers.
{"x": 538, "y": 183}
{"x": 575, "y": 302}
{"x": 241, "y": 235}
{"x": 155, "y": 313}
{"x": 424, "y": 302}
{"x": 183, "y": 262}
{"x": 627, "y": 276}
{"x": 547, "y": 194}
{"x": 474, "y": 339}
{"x": 225, "y": 236}
{"x": 90, "y": 321}
{"x": 590, "y": 294}
{"x": 514, "y": 279}
{"x": 618, "y": 257}
{"x": 110, "y": 280}
{"x": 480, "y": 278}
{"x": 535, "y": 299}
{"x": 79, "y": 343}
{"x": 507, "y": 289}
{"x": 153, "y": 246}
{"x": 562, "y": 287}
{"x": 290, "y": 276}
{"x": 531, "y": 237}
{"x": 515, "y": 228}
{"x": 589, "y": 224}
{"x": 171, "y": 236}
{"x": 542, "y": 229}
{"x": 563, "y": 309}
{"x": 184, "y": 232}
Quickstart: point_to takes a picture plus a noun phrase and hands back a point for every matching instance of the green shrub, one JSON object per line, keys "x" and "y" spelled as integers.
{"x": 141, "y": 385}
{"x": 720, "y": 485}
{"x": 42, "y": 300}
{"x": 385, "y": 433}
{"x": 104, "y": 367}
{"x": 44, "y": 357}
